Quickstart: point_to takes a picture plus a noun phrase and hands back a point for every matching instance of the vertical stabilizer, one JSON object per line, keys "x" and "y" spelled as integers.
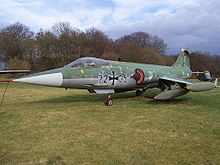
{"x": 183, "y": 59}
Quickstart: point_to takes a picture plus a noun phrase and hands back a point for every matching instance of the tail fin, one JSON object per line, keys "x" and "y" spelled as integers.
{"x": 183, "y": 59}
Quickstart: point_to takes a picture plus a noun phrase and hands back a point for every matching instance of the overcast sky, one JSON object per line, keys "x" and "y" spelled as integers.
{"x": 181, "y": 23}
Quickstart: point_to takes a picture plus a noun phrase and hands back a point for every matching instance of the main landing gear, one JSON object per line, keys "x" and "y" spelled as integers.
{"x": 108, "y": 101}
{"x": 138, "y": 92}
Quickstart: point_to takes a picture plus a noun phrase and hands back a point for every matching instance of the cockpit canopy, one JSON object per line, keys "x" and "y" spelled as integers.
{"x": 88, "y": 62}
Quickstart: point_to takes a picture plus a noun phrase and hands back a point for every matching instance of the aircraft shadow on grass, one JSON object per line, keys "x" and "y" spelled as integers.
{"x": 93, "y": 98}
{"x": 90, "y": 98}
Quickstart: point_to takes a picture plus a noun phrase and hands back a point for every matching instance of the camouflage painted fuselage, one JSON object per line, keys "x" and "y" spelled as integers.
{"x": 118, "y": 75}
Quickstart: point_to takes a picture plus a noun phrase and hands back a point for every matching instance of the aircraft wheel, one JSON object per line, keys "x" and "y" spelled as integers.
{"x": 110, "y": 102}
{"x": 138, "y": 93}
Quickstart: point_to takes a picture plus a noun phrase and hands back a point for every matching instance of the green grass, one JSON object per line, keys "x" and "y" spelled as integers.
{"x": 40, "y": 125}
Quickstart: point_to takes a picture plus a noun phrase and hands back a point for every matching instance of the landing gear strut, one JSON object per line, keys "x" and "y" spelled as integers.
{"x": 109, "y": 101}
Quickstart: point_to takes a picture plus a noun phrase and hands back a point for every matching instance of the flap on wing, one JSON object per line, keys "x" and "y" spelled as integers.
{"x": 177, "y": 80}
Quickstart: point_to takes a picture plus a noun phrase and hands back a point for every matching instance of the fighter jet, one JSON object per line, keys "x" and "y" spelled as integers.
{"x": 107, "y": 77}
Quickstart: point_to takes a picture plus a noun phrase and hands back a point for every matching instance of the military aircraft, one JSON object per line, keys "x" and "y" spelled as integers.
{"x": 108, "y": 77}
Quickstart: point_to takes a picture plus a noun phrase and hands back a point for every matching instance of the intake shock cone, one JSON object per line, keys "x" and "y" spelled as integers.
{"x": 138, "y": 76}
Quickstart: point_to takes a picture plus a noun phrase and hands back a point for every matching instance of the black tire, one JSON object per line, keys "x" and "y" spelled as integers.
{"x": 138, "y": 93}
{"x": 110, "y": 102}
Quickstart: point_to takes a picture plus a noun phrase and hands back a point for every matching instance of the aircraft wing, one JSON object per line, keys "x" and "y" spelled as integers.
{"x": 189, "y": 85}
{"x": 176, "y": 80}
{"x": 13, "y": 71}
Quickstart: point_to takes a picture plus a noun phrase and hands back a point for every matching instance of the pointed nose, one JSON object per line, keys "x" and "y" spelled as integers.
{"x": 46, "y": 78}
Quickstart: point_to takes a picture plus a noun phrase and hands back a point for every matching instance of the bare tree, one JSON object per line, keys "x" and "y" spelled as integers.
{"x": 16, "y": 42}
{"x": 143, "y": 39}
{"x": 96, "y": 42}
{"x": 158, "y": 44}
{"x": 20, "y": 48}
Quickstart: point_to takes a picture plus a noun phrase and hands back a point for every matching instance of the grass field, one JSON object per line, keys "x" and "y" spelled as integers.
{"x": 40, "y": 125}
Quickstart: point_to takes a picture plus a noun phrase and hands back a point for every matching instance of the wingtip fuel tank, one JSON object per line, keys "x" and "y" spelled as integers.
{"x": 201, "y": 86}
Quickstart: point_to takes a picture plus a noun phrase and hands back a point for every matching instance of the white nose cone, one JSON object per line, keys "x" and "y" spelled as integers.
{"x": 53, "y": 79}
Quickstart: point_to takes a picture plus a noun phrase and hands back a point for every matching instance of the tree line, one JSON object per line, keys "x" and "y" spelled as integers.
{"x": 20, "y": 47}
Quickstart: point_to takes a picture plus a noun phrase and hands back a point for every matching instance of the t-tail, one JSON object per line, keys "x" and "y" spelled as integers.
{"x": 183, "y": 63}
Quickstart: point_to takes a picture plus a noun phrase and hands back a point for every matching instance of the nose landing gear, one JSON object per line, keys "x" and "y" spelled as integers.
{"x": 109, "y": 101}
